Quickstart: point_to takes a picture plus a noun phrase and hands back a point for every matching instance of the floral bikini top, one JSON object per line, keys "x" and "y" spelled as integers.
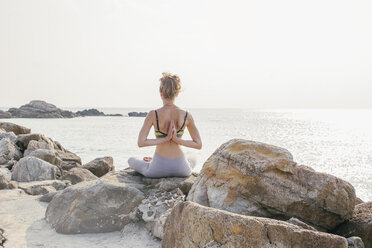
{"x": 160, "y": 134}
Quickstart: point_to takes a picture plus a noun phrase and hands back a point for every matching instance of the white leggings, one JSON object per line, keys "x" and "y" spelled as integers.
{"x": 163, "y": 167}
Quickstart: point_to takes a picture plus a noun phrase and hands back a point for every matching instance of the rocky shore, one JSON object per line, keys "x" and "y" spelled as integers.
{"x": 42, "y": 109}
{"x": 248, "y": 194}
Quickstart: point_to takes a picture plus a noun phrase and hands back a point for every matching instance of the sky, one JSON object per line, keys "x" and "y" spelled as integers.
{"x": 228, "y": 54}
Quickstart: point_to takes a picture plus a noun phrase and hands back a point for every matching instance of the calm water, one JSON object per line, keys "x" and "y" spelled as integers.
{"x": 338, "y": 142}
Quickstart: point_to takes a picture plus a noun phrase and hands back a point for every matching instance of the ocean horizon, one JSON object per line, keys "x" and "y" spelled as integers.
{"x": 334, "y": 141}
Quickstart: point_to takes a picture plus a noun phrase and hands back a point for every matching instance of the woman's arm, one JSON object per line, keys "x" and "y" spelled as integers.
{"x": 194, "y": 133}
{"x": 142, "y": 137}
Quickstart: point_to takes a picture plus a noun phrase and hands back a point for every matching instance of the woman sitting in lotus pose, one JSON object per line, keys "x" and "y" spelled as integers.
{"x": 169, "y": 123}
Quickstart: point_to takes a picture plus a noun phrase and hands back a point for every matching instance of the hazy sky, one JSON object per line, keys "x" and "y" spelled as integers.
{"x": 238, "y": 54}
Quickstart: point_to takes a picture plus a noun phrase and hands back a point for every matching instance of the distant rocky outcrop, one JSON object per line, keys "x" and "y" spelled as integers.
{"x": 94, "y": 112}
{"x": 137, "y": 114}
{"x": 5, "y": 114}
{"x": 42, "y": 109}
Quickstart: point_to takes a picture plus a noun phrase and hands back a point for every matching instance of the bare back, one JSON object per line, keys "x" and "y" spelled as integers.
{"x": 169, "y": 149}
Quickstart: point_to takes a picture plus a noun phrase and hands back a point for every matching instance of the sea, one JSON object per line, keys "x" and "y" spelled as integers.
{"x": 334, "y": 141}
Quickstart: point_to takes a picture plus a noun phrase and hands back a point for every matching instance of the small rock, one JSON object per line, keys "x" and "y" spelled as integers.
{"x": 77, "y": 175}
{"x": 100, "y": 166}
{"x": 43, "y": 187}
{"x": 355, "y": 242}
{"x": 48, "y": 197}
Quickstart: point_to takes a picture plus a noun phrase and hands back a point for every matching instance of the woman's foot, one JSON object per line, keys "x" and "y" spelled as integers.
{"x": 147, "y": 159}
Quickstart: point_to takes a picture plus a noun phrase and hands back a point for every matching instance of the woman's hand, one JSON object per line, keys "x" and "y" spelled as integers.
{"x": 170, "y": 129}
{"x": 174, "y": 133}
{"x": 147, "y": 159}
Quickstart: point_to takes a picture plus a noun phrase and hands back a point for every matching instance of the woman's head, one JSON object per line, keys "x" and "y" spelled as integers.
{"x": 170, "y": 85}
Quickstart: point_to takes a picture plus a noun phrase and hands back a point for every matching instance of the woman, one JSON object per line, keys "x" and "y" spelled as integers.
{"x": 169, "y": 159}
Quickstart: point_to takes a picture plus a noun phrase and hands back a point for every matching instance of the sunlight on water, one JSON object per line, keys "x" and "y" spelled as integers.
{"x": 337, "y": 142}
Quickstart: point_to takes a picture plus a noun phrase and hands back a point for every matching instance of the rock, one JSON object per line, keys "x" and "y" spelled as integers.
{"x": 33, "y": 169}
{"x": 16, "y": 129}
{"x": 77, "y": 175}
{"x": 299, "y": 223}
{"x": 93, "y": 206}
{"x": 40, "y": 109}
{"x": 66, "y": 166}
{"x": 137, "y": 114}
{"x": 8, "y": 151}
{"x": 100, "y": 166}
{"x": 5, "y": 179}
{"x": 125, "y": 193}
{"x": 68, "y": 158}
{"x": 192, "y": 225}
{"x": 359, "y": 225}
{"x": 9, "y": 135}
{"x": 50, "y": 156}
{"x": 5, "y": 115}
{"x": 90, "y": 112}
{"x": 48, "y": 196}
{"x": 253, "y": 178}
{"x": 23, "y": 139}
{"x": 358, "y": 201}
{"x": 34, "y": 145}
{"x": 43, "y": 187}
{"x": 2, "y": 238}
{"x": 355, "y": 242}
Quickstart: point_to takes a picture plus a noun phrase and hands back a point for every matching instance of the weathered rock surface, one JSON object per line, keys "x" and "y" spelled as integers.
{"x": 70, "y": 159}
{"x": 34, "y": 169}
{"x": 253, "y": 178}
{"x": 9, "y": 135}
{"x": 114, "y": 200}
{"x": 40, "y": 109}
{"x": 192, "y": 225}
{"x": 48, "y": 196}
{"x": 8, "y": 151}
{"x": 77, "y": 175}
{"x": 16, "y": 129}
{"x": 100, "y": 166}
{"x": 5, "y": 179}
{"x": 23, "y": 139}
{"x": 299, "y": 223}
{"x": 43, "y": 187}
{"x": 50, "y": 156}
{"x": 5, "y": 115}
{"x": 355, "y": 242}
{"x": 359, "y": 225}
{"x": 34, "y": 145}
{"x": 93, "y": 206}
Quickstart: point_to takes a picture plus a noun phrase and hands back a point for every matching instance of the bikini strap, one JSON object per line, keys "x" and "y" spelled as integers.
{"x": 184, "y": 121}
{"x": 157, "y": 121}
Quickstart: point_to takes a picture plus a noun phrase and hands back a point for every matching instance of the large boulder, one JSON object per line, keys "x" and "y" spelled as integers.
{"x": 192, "y": 225}
{"x": 93, "y": 206}
{"x": 77, "y": 175}
{"x": 16, "y": 129}
{"x": 100, "y": 166}
{"x": 33, "y": 169}
{"x": 114, "y": 200}
{"x": 359, "y": 225}
{"x": 50, "y": 156}
{"x": 5, "y": 115}
{"x": 40, "y": 109}
{"x": 9, "y": 135}
{"x": 257, "y": 179}
{"x": 8, "y": 151}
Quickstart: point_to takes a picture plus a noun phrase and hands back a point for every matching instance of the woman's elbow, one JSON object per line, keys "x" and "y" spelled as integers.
{"x": 199, "y": 145}
{"x": 140, "y": 143}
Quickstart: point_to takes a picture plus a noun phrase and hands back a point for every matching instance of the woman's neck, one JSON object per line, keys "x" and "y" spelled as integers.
{"x": 168, "y": 103}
